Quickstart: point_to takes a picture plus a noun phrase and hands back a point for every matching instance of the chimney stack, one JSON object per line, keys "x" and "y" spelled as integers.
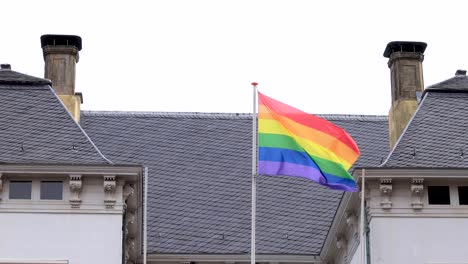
{"x": 406, "y": 74}
{"x": 61, "y": 53}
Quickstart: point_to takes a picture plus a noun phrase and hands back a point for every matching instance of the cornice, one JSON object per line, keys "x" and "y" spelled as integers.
{"x": 233, "y": 257}
{"x": 71, "y": 169}
{"x": 60, "y": 211}
{"x": 7, "y": 261}
{"x": 404, "y": 173}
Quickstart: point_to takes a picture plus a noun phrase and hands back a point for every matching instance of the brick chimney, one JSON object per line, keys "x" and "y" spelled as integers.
{"x": 61, "y": 53}
{"x": 406, "y": 74}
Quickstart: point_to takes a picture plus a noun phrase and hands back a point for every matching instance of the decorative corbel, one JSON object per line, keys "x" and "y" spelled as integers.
{"x": 109, "y": 191}
{"x": 351, "y": 221}
{"x": 1, "y": 186}
{"x": 417, "y": 189}
{"x": 128, "y": 191}
{"x": 386, "y": 193}
{"x": 129, "y": 248}
{"x": 130, "y": 216}
{"x": 75, "y": 185}
{"x": 342, "y": 244}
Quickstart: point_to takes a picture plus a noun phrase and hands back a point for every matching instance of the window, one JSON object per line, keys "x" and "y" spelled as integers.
{"x": 20, "y": 190}
{"x": 463, "y": 195}
{"x": 438, "y": 194}
{"x": 51, "y": 190}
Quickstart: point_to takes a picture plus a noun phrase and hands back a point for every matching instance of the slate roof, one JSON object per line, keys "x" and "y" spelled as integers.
{"x": 35, "y": 127}
{"x": 200, "y": 186}
{"x": 441, "y": 115}
{"x": 7, "y": 76}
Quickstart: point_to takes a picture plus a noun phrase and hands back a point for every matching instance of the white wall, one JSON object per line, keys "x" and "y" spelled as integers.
{"x": 356, "y": 258}
{"x": 79, "y": 238}
{"x": 419, "y": 240}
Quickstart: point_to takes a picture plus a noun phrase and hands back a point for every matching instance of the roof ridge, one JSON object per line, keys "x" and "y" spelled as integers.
{"x": 458, "y": 83}
{"x": 13, "y": 77}
{"x": 403, "y": 133}
{"x": 353, "y": 117}
{"x": 215, "y": 115}
{"x": 442, "y": 82}
{"x": 204, "y": 115}
{"x": 83, "y": 132}
{"x": 23, "y": 86}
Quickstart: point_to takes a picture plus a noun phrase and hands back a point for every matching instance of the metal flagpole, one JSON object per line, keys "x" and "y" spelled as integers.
{"x": 254, "y": 172}
{"x": 363, "y": 236}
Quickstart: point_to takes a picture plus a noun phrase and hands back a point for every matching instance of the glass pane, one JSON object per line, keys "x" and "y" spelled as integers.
{"x": 463, "y": 195}
{"x": 439, "y": 194}
{"x": 51, "y": 190}
{"x": 20, "y": 190}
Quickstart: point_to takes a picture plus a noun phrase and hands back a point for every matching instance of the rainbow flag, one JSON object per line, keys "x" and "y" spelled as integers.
{"x": 294, "y": 143}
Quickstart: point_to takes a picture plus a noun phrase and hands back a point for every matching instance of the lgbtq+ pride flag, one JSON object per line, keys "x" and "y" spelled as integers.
{"x": 294, "y": 143}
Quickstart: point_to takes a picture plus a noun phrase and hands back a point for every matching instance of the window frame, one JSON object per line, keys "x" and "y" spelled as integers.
{"x": 35, "y": 190}
{"x": 20, "y": 199}
{"x": 51, "y": 180}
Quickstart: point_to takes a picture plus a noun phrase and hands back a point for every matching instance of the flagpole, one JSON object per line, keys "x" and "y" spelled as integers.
{"x": 254, "y": 173}
{"x": 363, "y": 236}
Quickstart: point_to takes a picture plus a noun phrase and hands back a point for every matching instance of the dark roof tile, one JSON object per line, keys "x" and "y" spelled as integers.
{"x": 456, "y": 83}
{"x": 200, "y": 181}
{"x": 441, "y": 115}
{"x": 8, "y": 76}
{"x": 35, "y": 127}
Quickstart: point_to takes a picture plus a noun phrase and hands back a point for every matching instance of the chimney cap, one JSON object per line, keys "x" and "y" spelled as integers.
{"x": 5, "y": 66}
{"x": 67, "y": 40}
{"x": 407, "y": 46}
{"x": 460, "y": 73}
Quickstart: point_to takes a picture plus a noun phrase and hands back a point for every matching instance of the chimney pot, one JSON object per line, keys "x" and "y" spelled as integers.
{"x": 5, "y": 66}
{"x": 61, "y": 40}
{"x": 404, "y": 46}
{"x": 460, "y": 73}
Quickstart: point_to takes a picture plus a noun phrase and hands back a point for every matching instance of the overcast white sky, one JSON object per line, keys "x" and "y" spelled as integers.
{"x": 201, "y": 56}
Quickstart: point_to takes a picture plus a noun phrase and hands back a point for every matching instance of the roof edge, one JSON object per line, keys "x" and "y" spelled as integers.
{"x": 444, "y": 90}
{"x": 214, "y": 115}
{"x": 108, "y": 161}
{"x": 167, "y": 114}
{"x": 436, "y": 87}
{"x": 29, "y": 79}
{"x": 384, "y": 164}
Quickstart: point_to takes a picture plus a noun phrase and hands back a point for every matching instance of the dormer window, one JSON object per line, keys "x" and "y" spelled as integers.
{"x": 51, "y": 190}
{"x": 20, "y": 190}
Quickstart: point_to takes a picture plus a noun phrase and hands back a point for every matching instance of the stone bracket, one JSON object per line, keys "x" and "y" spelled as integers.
{"x": 109, "y": 191}
{"x": 352, "y": 222}
{"x": 130, "y": 216}
{"x": 1, "y": 186}
{"x": 130, "y": 211}
{"x": 128, "y": 190}
{"x": 386, "y": 193}
{"x": 129, "y": 248}
{"x": 342, "y": 244}
{"x": 75, "y": 185}
{"x": 417, "y": 190}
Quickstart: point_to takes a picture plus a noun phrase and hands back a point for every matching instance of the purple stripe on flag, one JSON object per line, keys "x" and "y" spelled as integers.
{"x": 290, "y": 169}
